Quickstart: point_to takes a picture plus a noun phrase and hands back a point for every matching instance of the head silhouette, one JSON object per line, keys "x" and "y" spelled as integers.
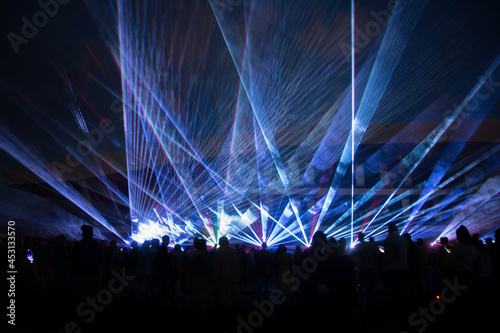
{"x": 342, "y": 244}
{"x": 87, "y": 231}
{"x": 391, "y": 227}
{"x": 463, "y": 235}
{"x": 201, "y": 244}
{"x": 318, "y": 238}
{"x": 155, "y": 243}
{"x": 223, "y": 241}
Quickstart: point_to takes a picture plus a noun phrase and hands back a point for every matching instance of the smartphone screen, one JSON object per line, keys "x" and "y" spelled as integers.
{"x": 29, "y": 255}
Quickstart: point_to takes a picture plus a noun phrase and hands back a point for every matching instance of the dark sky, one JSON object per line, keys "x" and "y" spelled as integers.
{"x": 458, "y": 38}
{"x": 71, "y": 42}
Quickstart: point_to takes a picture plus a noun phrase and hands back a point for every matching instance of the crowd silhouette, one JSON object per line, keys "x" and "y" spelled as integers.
{"x": 393, "y": 285}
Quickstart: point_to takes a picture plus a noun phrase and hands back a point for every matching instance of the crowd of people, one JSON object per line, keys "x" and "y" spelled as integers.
{"x": 396, "y": 284}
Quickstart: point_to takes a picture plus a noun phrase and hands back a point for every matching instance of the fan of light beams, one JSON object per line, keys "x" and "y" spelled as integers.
{"x": 240, "y": 121}
{"x": 267, "y": 121}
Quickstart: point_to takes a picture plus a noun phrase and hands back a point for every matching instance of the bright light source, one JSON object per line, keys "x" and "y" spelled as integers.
{"x": 29, "y": 255}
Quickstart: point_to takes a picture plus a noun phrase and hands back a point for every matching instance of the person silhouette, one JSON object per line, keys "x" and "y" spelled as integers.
{"x": 365, "y": 254}
{"x": 284, "y": 263}
{"x": 463, "y": 256}
{"x": 148, "y": 277}
{"x": 415, "y": 288}
{"x": 396, "y": 270}
{"x": 227, "y": 275}
{"x": 264, "y": 263}
{"x": 198, "y": 282}
{"x": 86, "y": 262}
{"x": 298, "y": 254}
{"x": 163, "y": 268}
{"x": 443, "y": 260}
{"x": 178, "y": 272}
